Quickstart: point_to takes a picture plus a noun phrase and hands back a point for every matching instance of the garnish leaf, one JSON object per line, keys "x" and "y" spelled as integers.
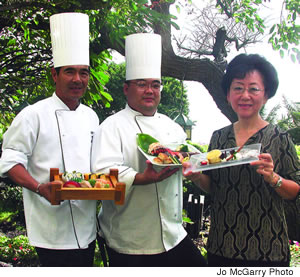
{"x": 144, "y": 140}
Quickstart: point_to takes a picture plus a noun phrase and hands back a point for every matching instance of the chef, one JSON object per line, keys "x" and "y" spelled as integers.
{"x": 147, "y": 230}
{"x": 57, "y": 132}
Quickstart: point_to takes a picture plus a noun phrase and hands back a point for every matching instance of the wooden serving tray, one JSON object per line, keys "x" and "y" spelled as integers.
{"x": 59, "y": 193}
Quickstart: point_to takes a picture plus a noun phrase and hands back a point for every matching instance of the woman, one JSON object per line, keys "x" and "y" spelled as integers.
{"x": 248, "y": 226}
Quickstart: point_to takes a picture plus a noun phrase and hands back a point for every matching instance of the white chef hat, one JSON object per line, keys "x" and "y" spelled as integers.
{"x": 143, "y": 56}
{"x": 70, "y": 39}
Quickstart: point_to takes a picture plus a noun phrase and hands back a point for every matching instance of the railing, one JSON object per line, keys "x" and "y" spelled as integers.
{"x": 195, "y": 213}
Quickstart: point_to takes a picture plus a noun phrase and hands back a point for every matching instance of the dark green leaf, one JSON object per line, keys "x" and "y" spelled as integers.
{"x": 144, "y": 140}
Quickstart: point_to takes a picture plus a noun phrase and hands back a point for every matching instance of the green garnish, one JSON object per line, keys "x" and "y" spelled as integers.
{"x": 183, "y": 148}
{"x": 76, "y": 179}
{"x": 92, "y": 182}
{"x": 175, "y": 159}
{"x": 144, "y": 140}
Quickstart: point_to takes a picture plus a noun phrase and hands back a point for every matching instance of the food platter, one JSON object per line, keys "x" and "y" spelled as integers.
{"x": 172, "y": 146}
{"x": 167, "y": 154}
{"x": 247, "y": 154}
{"x": 60, "y": 193}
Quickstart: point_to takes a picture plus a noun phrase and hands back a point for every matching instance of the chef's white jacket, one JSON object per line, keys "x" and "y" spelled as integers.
{"x": 150, "y": 221}
{"x": 49, "y": 135}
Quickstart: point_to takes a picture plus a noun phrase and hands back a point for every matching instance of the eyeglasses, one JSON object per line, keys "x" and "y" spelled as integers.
{"x": 142, "y": 85}
{"x": 240, "y": 90}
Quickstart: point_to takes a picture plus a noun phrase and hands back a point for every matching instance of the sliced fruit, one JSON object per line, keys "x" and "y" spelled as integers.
{"x": 71, "y": 184}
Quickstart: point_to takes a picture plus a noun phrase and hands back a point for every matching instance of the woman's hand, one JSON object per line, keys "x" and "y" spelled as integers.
{"x": 288, "y": 189}
{"x": 199, "y": 179}
{"x": 265, "y": 167}
{"x": 188, "y": 173}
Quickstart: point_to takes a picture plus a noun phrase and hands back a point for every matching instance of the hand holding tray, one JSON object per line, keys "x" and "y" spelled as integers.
{"x": 59, "y": 193}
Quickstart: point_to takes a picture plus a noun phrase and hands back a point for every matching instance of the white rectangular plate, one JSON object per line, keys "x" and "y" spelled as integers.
{"x": 172, "y": 146}
{"x": 249, "y": 154}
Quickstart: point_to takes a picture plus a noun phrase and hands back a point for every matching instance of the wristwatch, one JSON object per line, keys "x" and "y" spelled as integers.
{"x": 278, "y": 183}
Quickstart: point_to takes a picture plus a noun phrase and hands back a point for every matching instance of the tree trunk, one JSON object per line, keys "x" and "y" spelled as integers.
{"x": 200, "y": 70}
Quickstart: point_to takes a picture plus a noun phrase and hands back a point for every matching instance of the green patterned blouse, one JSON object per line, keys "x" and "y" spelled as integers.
{"x": 247, "y": 215}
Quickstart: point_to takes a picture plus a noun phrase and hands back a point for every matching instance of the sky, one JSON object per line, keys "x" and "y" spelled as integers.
{"x": 203, "y": 109}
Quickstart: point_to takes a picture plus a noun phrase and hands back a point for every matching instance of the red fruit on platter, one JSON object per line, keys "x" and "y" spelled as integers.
{"x": 71, "y": 184}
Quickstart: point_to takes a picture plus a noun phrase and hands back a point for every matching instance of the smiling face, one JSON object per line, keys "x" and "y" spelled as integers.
{"x": 247, "y": 96}
{"x": 143, "y": 95}
{"x": 71, "y": 83}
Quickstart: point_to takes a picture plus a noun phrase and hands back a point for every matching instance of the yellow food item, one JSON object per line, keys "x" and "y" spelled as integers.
{"x": 165, "y": 158}
{"x": 214, "y": 156}
{"x": 158, "y": 160}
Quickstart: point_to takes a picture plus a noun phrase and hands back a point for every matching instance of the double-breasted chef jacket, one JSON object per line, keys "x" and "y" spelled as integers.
{"x": 49, "y": 135}
{"x": 150, "y": 221}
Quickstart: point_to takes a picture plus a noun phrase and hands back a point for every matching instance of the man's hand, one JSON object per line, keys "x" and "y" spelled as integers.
{"x": 45, "y": 190}
{"x": 21, "y": 176}
{"x": 150, "y": 176}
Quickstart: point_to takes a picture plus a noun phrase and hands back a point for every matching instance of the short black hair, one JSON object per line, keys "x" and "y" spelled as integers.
{"x": 245, "y": 63}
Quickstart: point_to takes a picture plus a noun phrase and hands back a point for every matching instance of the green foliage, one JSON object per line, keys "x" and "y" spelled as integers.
{"x": 11, "y": 205}
{"x": 204, "y": 252}
{"x": 185, "y": 218}
{"x": 291, "y": 121}
{"x": 295, "y": 254}
{"x": 98, "y": 78}
{"x": 298, "y": 150}
{"x": 174, "y": 99}
{"x": 11, "y": 198}
{"x": 2, "y": 129}
{"x": 201, "y": 148}
{"x": 98, "y": 262}
{"x": 243, "y": 11}
{"x": 271, "y": 117}
{"x": 284, "y": 36}
{"x": 17, "y": 251}
{"x": 114, "y": 87}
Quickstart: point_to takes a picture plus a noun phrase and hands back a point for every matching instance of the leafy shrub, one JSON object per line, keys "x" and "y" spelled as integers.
{"x": 17, "y": 251}
{"x": 11, "y": 200}
{"x": 200, "y": 147}
{"x": 98, "y": 262}
{"x": 295, "y": 253}
{"x": 298, "y": 150}
{"x": 11, "y": 197}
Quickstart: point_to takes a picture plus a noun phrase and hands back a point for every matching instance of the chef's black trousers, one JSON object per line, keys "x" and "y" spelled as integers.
{"x": 184, "y": 254}
{"x": 67, "y": 258}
